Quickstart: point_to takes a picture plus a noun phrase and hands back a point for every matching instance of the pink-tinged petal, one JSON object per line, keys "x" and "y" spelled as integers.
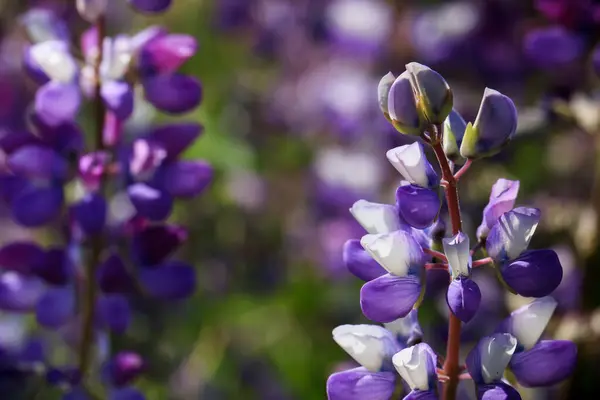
{"x": 547, "y": 363}
{"x": 165, "y": 54}
{"x": 389, "y": 297}
{"x": 174, "y": 94}
{"x": 57, "y": 103}
{"x": 360, "y": 263}
{"x": 184, "y": 178}
{"x": 360, "y": 384}
{"x": 123, "y": 368}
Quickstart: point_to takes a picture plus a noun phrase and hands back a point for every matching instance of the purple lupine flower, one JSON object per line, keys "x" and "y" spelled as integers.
{"x": 533, "y": 273}
{"x": 402, "y": 107}
{"x": 463, "y": 295}
{"x": 373, "y": 347}
{"x": 417, "y": 366}
{"x": 502, "y": 199}
{"x": 538, "y": 362}
{"x": 432, "y": 93}
{"x": 494, "y": 127}
{"x": 417, "y": 206}
{"x": 486, "y": 364}
{"x": 159, "y": 175}
{"x": 401, "y": 255}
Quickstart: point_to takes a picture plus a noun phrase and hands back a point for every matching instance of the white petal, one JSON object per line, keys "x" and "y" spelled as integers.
{"x": 495, "y": 352}
{"x": 516, "y": 230}
{"x": 375, "y": 217}
{"x": 411, "y": 364}
{"x": 118, "y": 53}
{"x": 458, "y": 252}
{"x": 54, "y": 59}
{"x": 369, "y": 345}
{"x": 396, "y": 252}
{"x": 411, "y": 162}
{"x": 528, "y": 323}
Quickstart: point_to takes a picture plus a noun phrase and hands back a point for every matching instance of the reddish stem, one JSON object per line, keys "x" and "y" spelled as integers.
{"x": 436, "y": 254}
{"x": 483, "y": 261}
{"x": 463, "y": 169}
{"x": 451, "y": 367}
{"x": 438, "y": 266}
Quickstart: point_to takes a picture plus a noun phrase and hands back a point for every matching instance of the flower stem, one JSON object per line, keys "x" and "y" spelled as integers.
{"x": 90, "y": 287}
{"x": 482, "y": 262}
{"x": 451, "y": 367}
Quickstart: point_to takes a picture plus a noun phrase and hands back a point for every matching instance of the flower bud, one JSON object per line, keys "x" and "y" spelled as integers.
{"x": 454, "y": 131}
{"x": 417, "y": 366}
{"x": 433, "y": 95}
{"x": 402, "y": 108}
{"x": 91, "y": 10}
{"x": 411, "y": 162}
{"x": 383, "y": 91}
{"x": 495, "y": 125}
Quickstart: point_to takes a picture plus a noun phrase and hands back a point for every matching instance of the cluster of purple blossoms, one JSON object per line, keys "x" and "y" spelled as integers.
{"x": 110, "y": 199}
{"x": 403, "y": 243}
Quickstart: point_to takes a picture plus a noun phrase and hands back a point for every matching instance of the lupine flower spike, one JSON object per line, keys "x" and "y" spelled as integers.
{"x": 397, "y": 252}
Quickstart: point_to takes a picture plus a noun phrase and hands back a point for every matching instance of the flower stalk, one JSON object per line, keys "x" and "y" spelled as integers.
{"x": 451, "y": 364}
{"x": 97, "y": 242}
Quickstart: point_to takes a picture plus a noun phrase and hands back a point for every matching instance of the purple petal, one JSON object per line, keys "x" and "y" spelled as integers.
{"x": 65, "y": 138}
{"x": 56, "y": 307}
{"x": 124, "y": 368}
{"x": 502, "y": 199}
{"x": 76, "y": 393}
{"x": 118, "y": 98}
{"x": 113, "y": 276}
{"x": 149, "y": 202}
{"x": 175, "y": 93}
{"x": 12, "y": 186}
{"x": 176, "y": 138}
{"x": 360, "y": 263}
{"x": 154, "y": 243}
{"x": 463, "y": 298}
{"x": 536, "y": 273}
{"x": 37, "y": 206}
{"x": 150, "y": 6}
{"x": 511, "y": 235}
{"x": 417, "y": 206}
{"x": 165, "y": 54}
{"x": 55, "y": 267}
{"x": 171, "y": 281}
{"x": 12, "y": 141}
{"x": 389, "y": 297}
{"x": 497, "y": 391}
{"x": 185, "y": 178}
{"x": 553, "y": 46}
{"x": 57, "y": 103}
{"x": 490, "y": 357}
{"x": 19, "y": 292}
{"x": 38, "y": 162}
{"x": 545, "y": 364}
{"x": 360, "y": 384}
{"x": 90, "y": 213}
{"x": 114, "y": 312}
{"x": 20, "y": 257}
